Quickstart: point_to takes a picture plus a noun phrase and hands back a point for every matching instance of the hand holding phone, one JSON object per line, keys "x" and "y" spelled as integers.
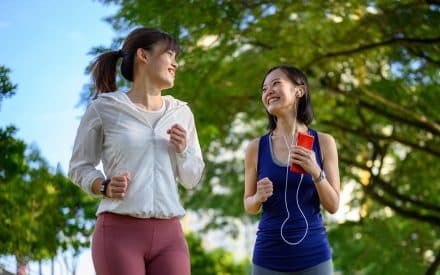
{"x": 306, "y": 141}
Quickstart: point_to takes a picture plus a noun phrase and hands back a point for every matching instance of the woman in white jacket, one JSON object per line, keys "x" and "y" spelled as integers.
{"x": 147, "y": 144}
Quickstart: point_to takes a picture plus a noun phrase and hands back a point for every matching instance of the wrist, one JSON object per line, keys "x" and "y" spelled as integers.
{"x": 257, "y": 201}
{"x": 321, "y": 176}
{"x": 104, "y": 186}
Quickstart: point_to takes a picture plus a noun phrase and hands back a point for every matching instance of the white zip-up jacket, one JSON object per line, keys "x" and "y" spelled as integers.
{"x": 117, "y": 132}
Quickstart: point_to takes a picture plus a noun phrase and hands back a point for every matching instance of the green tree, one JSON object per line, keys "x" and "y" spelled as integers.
{"x": 373, "y": 68}
{"x": 41, "y": 211}
{"x": 215, "y": 262}
{"x": 7, "y": 89}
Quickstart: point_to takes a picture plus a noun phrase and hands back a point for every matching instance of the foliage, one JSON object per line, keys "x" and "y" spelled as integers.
{"x": 215, "y": 262}
{"x": 41, "y": 210}
{"x": 373, "y": 68}
{"x": 7, "y": 89}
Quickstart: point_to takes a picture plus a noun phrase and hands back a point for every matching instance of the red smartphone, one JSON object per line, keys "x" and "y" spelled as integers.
{"x": 306, "y": 141}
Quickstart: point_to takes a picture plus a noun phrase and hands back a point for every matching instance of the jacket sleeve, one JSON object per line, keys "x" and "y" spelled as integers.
{"x": 87, "y": 151}
{"x": 190, "y": 163}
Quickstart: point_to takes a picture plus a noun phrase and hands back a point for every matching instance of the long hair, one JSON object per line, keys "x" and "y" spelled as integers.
{"x": 104, "y": 67}
{"x": 304, "y": 110}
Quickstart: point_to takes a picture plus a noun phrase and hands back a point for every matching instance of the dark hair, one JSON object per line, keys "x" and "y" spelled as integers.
{"x": 304, "y": 111}
{"x": 104, "y": 68}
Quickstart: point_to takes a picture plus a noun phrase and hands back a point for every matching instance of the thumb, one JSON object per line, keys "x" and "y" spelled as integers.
{"x": 127, "y": 174}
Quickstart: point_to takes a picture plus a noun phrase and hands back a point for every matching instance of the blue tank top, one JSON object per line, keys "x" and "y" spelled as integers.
{"x": 270, "y": 250}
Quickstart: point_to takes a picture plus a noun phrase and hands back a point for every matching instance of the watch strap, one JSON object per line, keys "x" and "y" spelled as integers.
{"x": 321, "y": 177}
{"x": 104, "y": 186}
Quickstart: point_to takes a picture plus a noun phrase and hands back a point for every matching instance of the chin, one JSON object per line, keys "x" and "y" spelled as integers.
{"x": 167, "y": 84}
{"x": 272, "y": 110}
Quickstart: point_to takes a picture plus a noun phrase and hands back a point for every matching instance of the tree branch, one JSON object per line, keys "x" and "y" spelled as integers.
{"x": 433, "y": 2}
{"x": 407, "y": 117}
{"x": 432, "y": 270}
{"x": 388, "y": 188}
{"x": 421, "y": 122}
{"x": 364, "y": 134}
{"x": 423, "y": 55}
{"x": 431, "y": 219}
{"x": 389, "y": 42}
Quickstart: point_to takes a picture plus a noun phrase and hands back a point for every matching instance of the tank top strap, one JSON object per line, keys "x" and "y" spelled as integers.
{"x": 316, "y": 146}
{"x": 263, "y": 148}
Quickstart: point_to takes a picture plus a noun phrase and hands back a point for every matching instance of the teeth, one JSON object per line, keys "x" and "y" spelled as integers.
{"x": 273, "y": 100}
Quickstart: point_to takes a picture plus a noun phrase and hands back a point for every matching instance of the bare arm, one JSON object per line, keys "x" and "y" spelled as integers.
{"x": 255, "y": 192}
{"x": 329, "y": 188}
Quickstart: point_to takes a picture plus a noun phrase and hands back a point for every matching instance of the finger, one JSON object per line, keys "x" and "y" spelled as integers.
{"x": 117, "y": 189}
{"x": 118, "y": 196}
{"x": 264, "y": 180}
{"x": 127, "y": 175}
{"x": 176, "y": 142}
{"x": 119, "y": 184}
{"x": 177, "y": 133}
{"x": 176, "y": 138}
{"x": 177, "y": 129}
{"x": 178, "y": 126}
{"x": 119, "y": 179}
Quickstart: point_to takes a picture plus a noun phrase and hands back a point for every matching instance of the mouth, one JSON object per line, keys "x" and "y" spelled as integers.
{"x": 272, "y": 100}
{"x": 172, "y": 71}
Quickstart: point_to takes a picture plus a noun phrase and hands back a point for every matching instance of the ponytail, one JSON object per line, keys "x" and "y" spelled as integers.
{"x": 104, "y": 68}
{"x": 104, "y": 72}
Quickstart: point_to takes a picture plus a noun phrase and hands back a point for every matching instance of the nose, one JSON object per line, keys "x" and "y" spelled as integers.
{"x": 175, "y": 65}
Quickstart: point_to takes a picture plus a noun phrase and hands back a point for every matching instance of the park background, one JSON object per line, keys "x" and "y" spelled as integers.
{"x": 373, "y": 68}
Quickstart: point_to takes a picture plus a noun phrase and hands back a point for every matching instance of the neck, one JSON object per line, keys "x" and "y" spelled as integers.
{"x": 289, "y": 125}
{"x": 145, "y": 94}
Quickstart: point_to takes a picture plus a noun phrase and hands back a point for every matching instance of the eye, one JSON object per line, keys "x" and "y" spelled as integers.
{"x": 264, "y": 90}
{"x": 170, "y": 52}
{"x": 275, "y": 83}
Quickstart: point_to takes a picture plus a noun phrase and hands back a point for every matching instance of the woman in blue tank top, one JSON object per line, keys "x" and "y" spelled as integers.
{"x": 291, "y": 238}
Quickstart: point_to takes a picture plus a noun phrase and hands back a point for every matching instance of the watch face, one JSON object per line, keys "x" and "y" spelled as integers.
{"x": 322, "y": 175}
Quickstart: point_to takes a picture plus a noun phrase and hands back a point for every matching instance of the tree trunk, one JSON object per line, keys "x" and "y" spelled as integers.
{"x": 22, "y": 266}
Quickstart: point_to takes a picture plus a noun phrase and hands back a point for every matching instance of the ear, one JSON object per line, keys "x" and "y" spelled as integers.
{"x": 143, "y": 55}
{"x": 299, "y": 91}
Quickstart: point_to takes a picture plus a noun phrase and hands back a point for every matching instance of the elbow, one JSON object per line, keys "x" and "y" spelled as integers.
{"x": 249, "y": 209}
{"x": 191, "y": 176}
{"x": 332, "y": 209}
{"x": 191, "y": 182}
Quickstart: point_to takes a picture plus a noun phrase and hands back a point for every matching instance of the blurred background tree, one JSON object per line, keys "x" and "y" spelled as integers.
{"x": 373, "y": 68}
{"x": 42, "y": 212}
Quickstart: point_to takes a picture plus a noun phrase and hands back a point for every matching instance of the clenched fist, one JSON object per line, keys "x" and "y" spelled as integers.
{"x": 264, "y": 189}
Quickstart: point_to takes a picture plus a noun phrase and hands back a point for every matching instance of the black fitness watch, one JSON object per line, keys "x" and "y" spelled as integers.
{"x": 103, "y": 187}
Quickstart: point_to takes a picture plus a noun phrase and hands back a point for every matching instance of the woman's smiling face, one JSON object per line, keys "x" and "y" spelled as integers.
{"x": 277, "y": 92}
{"x": 163, "y": 65}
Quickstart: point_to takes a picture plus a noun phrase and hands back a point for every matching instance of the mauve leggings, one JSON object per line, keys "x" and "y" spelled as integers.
{"x": 124, "y": 245}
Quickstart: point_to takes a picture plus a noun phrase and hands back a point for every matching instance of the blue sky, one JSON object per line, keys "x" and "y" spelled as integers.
{"x": 45, "y": 44}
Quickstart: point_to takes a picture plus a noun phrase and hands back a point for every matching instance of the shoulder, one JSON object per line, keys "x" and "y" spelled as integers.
{"x": 173, "y": 102}
{"x": 326, "y": 139}
{"x": 252, "y": 148}
{"x": 327, "y": 145}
